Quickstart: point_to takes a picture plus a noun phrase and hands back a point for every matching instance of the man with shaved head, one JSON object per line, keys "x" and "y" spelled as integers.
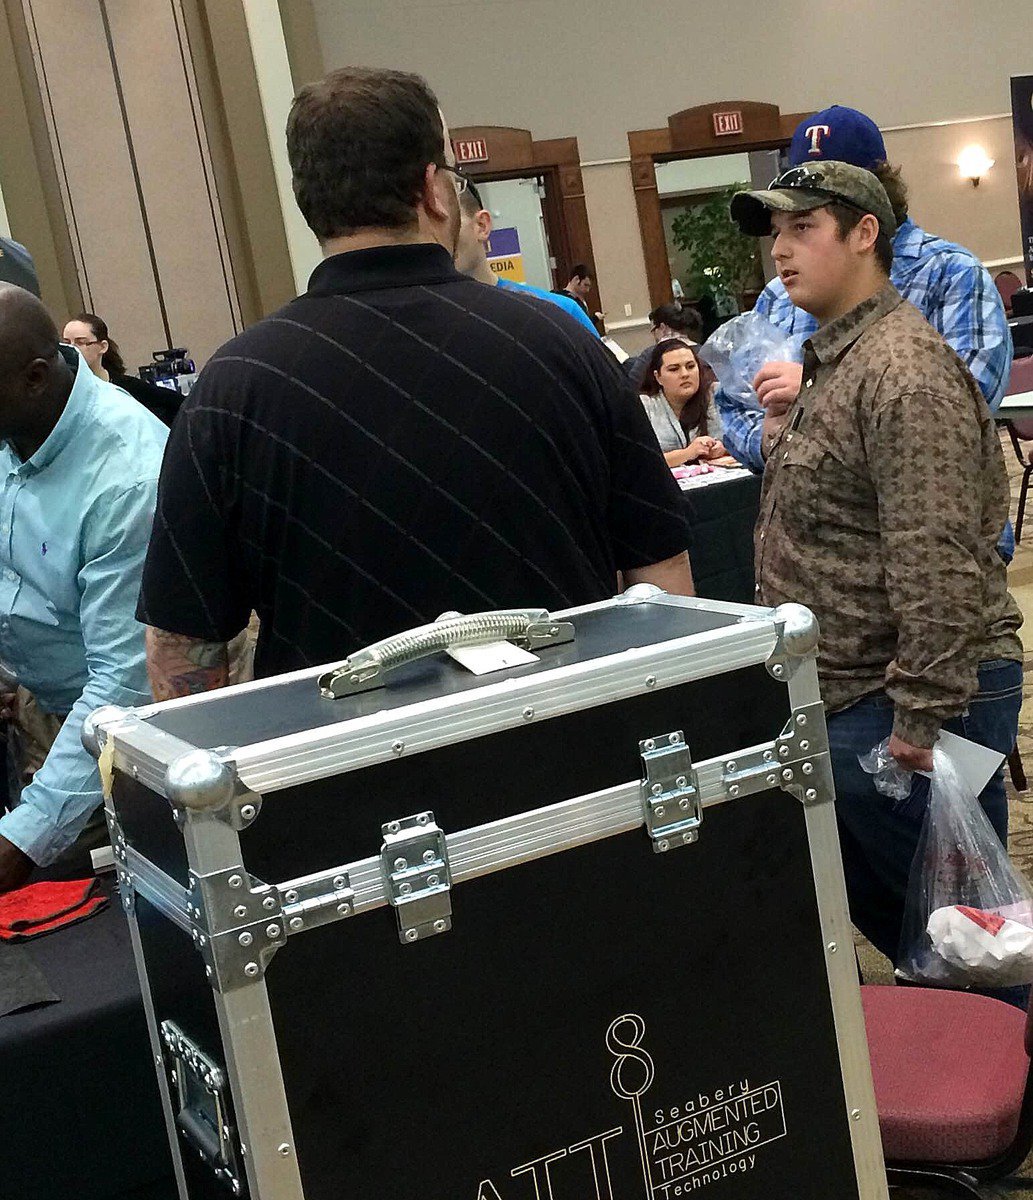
{"x": 79, "y": 463}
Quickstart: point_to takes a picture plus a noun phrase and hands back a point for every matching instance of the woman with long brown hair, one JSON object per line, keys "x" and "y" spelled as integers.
{"x": 677, "y": 394}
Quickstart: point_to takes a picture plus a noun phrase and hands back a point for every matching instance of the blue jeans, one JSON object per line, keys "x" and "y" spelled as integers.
{"x": 879, "y": 836}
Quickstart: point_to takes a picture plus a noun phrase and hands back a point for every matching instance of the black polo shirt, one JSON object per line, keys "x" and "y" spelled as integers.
{"x": 398, "y": 442}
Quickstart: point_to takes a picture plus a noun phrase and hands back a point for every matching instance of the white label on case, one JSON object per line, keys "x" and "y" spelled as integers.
{"x": 491, "y": 656}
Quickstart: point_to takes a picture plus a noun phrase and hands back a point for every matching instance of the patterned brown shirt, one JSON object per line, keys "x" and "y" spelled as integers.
{"x": 884, "y": 496}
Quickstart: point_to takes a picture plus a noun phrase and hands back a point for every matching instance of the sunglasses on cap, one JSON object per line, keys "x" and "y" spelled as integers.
{"x": 811, "y": 179}
{"x": 794, "y": 177}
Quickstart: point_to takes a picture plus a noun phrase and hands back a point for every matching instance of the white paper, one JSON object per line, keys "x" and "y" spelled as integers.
{"x": 491, "y": 656}
{"x": 975, "y": 764}
{"x": 618, "y": 352}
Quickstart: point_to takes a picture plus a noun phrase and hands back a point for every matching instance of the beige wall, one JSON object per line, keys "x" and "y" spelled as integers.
{"x": 603, "y": 69}
{"x": 986, "y": 218}
{"x": 562, "y": 67}
{"x": 620, "y": 267}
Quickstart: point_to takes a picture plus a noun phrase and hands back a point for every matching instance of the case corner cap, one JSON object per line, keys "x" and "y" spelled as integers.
{"x": 90, "y": 735}
{"x": 799, "y": 628}
{"x": 639, "y": 593}
{"x": 198, "y": 780}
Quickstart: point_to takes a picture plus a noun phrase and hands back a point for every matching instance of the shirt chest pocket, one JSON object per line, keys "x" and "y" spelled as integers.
{"x": 818, "y": 491}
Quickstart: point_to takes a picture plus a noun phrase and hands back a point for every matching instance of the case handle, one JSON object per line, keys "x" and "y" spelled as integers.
{"x": 365, "y": 669}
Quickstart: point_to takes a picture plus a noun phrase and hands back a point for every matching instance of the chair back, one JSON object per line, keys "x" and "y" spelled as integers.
{"x": 1021, "y": 377}
{"x": 1022, "y": 428}
{"x": 1008, "y": 283}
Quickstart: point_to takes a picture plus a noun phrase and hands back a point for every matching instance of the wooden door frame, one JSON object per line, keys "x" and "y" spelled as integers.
{"x": 690, "y": 134}
{"x": 514, "y": 154}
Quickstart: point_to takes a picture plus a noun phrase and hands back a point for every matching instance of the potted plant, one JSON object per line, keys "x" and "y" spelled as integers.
{"x": 724, "y": 262}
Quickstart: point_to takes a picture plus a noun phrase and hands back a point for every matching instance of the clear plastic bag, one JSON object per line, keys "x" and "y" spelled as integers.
{"x": 890, "y": 778}
{"x": 739, "y": 348}
{"x": 968, "y": 917}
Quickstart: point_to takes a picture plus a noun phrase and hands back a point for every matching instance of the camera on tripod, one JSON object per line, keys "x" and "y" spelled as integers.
{"x": 171, "y": 369}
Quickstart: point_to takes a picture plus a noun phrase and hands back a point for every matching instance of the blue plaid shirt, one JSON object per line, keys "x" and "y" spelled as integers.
{"x": 948, "y": 285}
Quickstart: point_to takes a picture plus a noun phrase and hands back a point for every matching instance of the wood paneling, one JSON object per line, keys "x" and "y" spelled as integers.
{"x": 509, "y": 150}
{"x": 693, "y": 128}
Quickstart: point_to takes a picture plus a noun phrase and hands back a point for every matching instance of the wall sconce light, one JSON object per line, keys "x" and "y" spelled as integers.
{"x": 973, "y": 163}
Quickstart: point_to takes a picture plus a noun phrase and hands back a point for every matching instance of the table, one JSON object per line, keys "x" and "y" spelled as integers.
{"x": 81, "y": 1115}
{"x": 1018, "y": 405}
{"x": 722, "y": 517}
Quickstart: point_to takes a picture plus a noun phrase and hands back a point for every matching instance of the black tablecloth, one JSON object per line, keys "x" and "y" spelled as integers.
{"x": 81, "y": 1115}
{"x": 722, "y": 517}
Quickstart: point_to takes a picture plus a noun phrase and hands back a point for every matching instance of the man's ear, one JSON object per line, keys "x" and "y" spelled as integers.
{"x": 37, "y": 375}
{"x": 866, "y": 232}
{"x": 430, "y": 198}
{"x": 482, "y": 225}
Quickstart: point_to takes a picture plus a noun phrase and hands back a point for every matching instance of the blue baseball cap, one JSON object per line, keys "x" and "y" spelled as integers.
{"x": 840, "y": 135}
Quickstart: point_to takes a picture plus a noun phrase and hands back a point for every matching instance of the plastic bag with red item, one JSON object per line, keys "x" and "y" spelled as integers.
{"x": 968, "y": 916}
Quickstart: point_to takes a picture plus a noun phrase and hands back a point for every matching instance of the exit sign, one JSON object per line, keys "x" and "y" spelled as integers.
{"x": 471, "y": 151}
{"x": 726, "y": 123}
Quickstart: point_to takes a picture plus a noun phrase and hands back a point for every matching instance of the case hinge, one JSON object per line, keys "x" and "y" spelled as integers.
{"x": 671, "y": 804}
{"x": 200, "y": 1097}
{"x": 316, "y": 900}
{"x": 414, "y": 863}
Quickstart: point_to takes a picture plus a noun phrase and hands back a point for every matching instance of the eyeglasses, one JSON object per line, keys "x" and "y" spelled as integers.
{"x": 458, "y": 178}
{"x": 80, "y": 342}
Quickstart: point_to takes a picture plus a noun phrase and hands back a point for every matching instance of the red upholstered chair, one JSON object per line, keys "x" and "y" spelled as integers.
{"x": 1008, "y": 283}
{"x": 953, "y": 1085}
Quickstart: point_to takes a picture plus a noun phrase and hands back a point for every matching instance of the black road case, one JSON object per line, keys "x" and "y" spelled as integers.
{"x": 575, "y": 930}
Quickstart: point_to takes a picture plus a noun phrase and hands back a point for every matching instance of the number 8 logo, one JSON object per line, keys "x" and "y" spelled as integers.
{"x": 623, "y": 1039}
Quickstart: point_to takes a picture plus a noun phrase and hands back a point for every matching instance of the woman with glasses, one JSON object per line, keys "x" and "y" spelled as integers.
{"x": 89, "y": 335}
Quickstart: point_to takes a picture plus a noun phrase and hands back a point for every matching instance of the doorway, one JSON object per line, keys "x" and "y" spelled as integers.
{"x": 519, "y": 245}
{"x": 685, "y": 172}
{"x": 717, "y": 274}
{"x": 538, "y": 190}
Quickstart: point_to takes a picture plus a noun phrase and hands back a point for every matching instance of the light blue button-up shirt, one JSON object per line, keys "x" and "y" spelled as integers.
{"x": 75, "y": 519}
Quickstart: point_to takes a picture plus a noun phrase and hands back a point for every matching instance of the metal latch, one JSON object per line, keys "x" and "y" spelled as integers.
{"x": 670, "y": 791}
{"x": 414, "y": 863}
{"x": 200, "y": 1094}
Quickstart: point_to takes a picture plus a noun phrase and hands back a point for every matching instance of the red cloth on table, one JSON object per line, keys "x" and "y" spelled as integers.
{"x": 43, "y": 907}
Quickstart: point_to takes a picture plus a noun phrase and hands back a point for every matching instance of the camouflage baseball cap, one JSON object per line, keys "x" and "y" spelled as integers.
{"x": 810, "y": 186}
